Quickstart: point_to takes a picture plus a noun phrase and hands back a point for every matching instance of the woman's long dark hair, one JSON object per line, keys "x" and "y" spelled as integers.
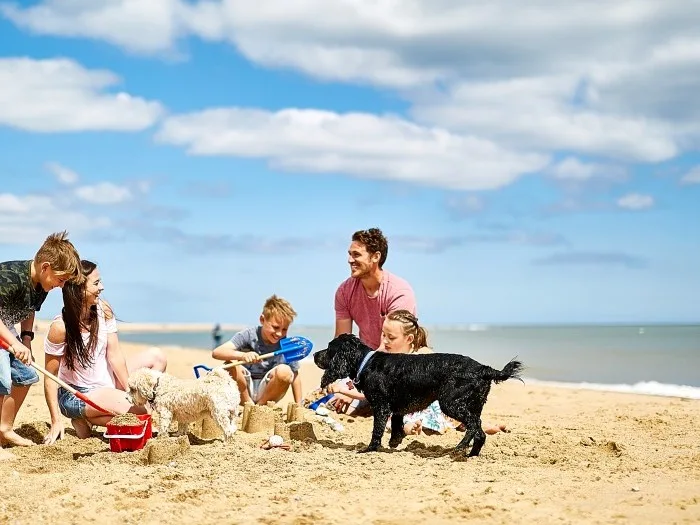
{"x": 76, "y": 351}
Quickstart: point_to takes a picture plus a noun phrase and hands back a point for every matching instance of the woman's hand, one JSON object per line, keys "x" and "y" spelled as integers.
{"x": 55, "y": 433}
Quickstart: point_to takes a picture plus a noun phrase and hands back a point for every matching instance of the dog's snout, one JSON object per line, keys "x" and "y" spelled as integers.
{"x": 321, "y": 358}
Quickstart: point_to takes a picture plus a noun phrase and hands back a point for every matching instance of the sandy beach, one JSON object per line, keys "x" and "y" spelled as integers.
{"x": 572, "y": 456}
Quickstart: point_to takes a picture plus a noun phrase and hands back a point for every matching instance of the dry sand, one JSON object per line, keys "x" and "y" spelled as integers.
{"x": 573, "y": 456}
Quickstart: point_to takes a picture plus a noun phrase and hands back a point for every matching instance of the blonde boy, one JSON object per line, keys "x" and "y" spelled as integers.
{"x": 24, "y": 286}
{"x": 268, "y": 380}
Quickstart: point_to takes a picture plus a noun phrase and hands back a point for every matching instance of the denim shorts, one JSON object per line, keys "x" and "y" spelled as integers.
{"x": 71, "y": 406}
{"x": 14, "y": 372}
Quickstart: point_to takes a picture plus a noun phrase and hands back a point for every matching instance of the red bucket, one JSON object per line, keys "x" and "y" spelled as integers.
{"x": 124, "y": 438}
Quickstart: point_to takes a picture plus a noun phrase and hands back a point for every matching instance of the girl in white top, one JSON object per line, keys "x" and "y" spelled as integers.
{"x": 82, "y": 349}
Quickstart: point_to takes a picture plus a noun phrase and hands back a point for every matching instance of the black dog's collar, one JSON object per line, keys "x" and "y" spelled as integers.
{"x": 364, "y": 362}
{"x": 152, "y": 399}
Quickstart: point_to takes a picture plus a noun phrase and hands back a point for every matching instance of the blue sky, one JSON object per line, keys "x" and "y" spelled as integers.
{"x": 528, "y": 165}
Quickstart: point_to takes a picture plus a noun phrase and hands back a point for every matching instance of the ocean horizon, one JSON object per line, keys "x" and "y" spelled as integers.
{"x": 654, "y": 359}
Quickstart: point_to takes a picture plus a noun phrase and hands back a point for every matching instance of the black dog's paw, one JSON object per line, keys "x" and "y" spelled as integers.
{"x": 395, "y": 442}
{"x": 367, "y": 449}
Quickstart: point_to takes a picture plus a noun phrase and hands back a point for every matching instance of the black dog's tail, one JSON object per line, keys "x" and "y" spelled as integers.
{"x": 511, "y": 371}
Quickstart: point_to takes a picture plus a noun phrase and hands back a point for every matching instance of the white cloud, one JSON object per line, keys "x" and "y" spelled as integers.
{"x": 587, "y": 77}
{"x": 28, "y": 219}
{"x": 103, "y": 193}
{"x": 692, "y": 177}
{"x": 63, "y": 175}
{"x": 358, "y": 144}
{"x": 60, "y": 95}
{"x": 635, "y": 201}
{"x": 538, "y": 113}
{"x": 572, "y": 169}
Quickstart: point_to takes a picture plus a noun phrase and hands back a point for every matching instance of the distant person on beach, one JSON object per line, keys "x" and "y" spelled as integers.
{"x": 216, "y": 335}
{"x": 268, "y": 380}
{"x": 401, "y": 334}
{"x": 24, "y": 286}
{"x": 82, "y": 349}
{"x": 371, "y": 292}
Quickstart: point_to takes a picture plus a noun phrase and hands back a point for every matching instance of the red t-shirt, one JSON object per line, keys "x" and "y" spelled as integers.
{"x": 352, "y": 302}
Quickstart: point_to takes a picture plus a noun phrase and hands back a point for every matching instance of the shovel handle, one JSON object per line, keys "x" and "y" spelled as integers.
{"x": 79, "y": 395}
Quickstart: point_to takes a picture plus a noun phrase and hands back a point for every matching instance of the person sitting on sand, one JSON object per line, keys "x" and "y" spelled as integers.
{"x": 82, "y": 349}
{"x": 268, "y": 380}
{"x": 401, "y": 334}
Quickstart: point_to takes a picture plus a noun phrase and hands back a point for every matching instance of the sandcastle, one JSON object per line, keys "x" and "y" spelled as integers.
{"x": 269, "y": 419}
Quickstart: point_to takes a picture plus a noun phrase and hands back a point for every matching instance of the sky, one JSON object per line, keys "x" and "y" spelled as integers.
{"x": 529, "y": 161}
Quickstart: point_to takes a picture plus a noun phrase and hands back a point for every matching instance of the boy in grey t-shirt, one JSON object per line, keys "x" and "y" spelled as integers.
{"x": 268, "y": 380}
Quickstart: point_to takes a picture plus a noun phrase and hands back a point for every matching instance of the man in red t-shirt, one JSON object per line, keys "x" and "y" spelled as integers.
{"x": 370, "y": 292}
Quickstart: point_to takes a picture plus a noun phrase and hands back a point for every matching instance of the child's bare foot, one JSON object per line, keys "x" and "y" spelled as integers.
{"x": 12, "y": 438}
{"x": 413, "y": 429}
{"x": 83, "y": 429}
{"x": 495, "y": 429}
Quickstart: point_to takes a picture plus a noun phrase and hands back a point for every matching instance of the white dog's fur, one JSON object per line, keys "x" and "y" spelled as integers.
{"x": 214, "y": 395}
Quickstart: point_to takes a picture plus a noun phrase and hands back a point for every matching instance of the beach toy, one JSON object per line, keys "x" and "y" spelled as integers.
{"x": 322, "y": 411}
{"x": 66, "y": 386}
{"x": 124, "y": 438}
{"x": 315, "y": 405}
{"x": 291, "y": 349}
{"x": 328, "y": 420}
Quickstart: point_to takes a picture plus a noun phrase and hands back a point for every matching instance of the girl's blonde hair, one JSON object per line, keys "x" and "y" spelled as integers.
{"x": 276, "y": 307}
{"x": 409, "y": 323}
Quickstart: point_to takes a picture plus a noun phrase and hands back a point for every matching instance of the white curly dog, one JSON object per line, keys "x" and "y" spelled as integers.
{"x": 214, "y": 395}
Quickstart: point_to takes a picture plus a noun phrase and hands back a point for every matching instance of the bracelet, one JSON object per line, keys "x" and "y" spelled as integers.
{"x": 28, "y": 333}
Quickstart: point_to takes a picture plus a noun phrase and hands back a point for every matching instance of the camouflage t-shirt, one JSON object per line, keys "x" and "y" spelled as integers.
{"x": 18, "y": 298}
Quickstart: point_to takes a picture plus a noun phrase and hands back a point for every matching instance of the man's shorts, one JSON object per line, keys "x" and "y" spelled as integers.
{"x": 256, "y": 387}
{"x": 14, "y": 372}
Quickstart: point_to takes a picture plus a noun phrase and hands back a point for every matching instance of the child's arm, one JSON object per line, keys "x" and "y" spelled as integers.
{"x": 27, "y": 326}
{"x": 52, "y": 363}
{"x": 21, "y": 352}
{"x": 229, "y": 351}
{"x": 339, "y": 388}
{"x": 296, "y": 387}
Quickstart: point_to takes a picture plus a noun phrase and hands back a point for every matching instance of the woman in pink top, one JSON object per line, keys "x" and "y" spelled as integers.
{"x": 82, "y": 348}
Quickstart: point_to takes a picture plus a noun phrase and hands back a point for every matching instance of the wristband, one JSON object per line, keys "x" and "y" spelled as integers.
{"x": 27, "y": 333}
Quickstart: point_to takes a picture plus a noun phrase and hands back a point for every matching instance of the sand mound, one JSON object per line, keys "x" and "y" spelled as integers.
{"x": 165, "y": 449}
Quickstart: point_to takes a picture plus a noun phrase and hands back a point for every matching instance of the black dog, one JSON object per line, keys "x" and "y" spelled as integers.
{"x": 399, "y": 384}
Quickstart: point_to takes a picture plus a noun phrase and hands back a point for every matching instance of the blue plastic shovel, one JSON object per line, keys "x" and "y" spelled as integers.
{"x": 291, "y": 349}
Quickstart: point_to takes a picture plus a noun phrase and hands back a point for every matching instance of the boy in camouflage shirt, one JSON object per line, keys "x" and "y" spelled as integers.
{"x": 24, "y": 286}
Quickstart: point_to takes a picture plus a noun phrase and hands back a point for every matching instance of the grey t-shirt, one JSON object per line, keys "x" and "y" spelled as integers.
{"x": 250, "y": 340}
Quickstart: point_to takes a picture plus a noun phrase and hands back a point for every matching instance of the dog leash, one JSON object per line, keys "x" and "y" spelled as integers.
{"x": 364, "y": 362}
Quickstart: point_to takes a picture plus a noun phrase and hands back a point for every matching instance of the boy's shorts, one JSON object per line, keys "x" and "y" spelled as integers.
{"x": 256, "y": 387}
{"x": 71, "y": 406}
{"x": 14, "y": 372}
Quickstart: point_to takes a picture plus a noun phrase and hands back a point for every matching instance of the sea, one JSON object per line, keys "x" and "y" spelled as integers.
{"x": 655, "y": 359}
